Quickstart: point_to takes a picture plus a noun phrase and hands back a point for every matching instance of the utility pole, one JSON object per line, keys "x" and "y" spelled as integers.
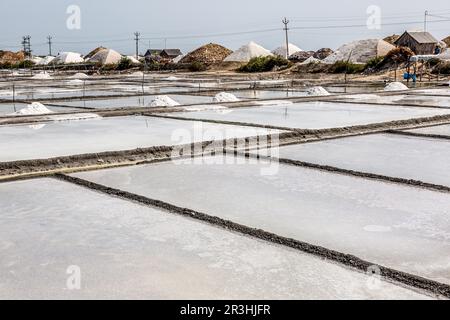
{"x": 425, "y": 21}
{"x": 137, "y": 35}
{"x": 286, "y": 29}
{"x": 49, "y": 38}
{"x": 26, "y": 43}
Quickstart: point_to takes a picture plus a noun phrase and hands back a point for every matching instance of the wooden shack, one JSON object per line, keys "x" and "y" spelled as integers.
{"x": 421, "y": 43}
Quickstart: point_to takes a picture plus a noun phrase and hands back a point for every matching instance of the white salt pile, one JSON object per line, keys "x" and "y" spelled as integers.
{"x": 282, "y": 52}
{"x": 396, "y": 86}
{"x": 171, "y": 78}
{"x": 178, "y": 59}
{"x": 247, "y": 52}
{"x": 360, "y": 51}
{"x": 68, "y": 57}
{"x": 47, "y": 60}
{"x": 225, "y": 97}
{"x": 310, "y": 60}
{"x": 42, "y": 76}
{"x": 163, "y": 101}
{"x": 79, "y": 75}
{"x": 32, "y": 109}
{"x": 317, "y": 91}
{"x": 134, "y": 60}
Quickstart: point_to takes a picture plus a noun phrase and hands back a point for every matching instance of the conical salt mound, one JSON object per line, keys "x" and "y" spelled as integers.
{"x": 360, "y": 51}
{"x": 282, "y": 52}
{"x": 106, "y": 56}
{"x": 68, "y": 57}
{"x": 247, "y": 52}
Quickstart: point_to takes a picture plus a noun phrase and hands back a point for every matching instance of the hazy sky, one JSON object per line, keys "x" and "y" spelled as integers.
{"x": 189, "y": 24}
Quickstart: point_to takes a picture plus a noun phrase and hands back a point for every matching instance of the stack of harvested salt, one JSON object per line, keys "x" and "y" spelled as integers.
{"x": 317, "y": 91}
{"x": 396, "y": 86}
{"x": 311, "y": 60}
{"x": 45, "y": 61}
{"x": 360, "y": 51}
{"x": 106, "y": 56}
{"x": 247, "y": 52}
{"x": 163, "y": 101}
{"x": 225, "y": 97}
{"x": 282, "y": 52}
{"x": 33, "y": 109}
{"x": 67, "y": 58}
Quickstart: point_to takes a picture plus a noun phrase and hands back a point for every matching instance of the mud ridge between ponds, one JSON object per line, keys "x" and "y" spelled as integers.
{"x": 389, "y": 274}
{"x": 420, "y": 135}
{"x": 359, "y": 174}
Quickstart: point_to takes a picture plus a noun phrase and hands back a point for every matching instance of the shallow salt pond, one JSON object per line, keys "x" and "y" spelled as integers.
{"x": 316, "y": 115}
{"x": 402, "y": 227}
{"x": 136, "y": 101}
{"x": 443, "y": 130}
{"x": 52, "y": 139}
{"x": 399, "y": 156}
{"x": 134, "y": 252}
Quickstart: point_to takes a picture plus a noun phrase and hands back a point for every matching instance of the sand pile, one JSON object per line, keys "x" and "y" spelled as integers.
{"x": 396, "y": 86}
{"x": 41, "y": 76}
{"x": 105, "y": 56}
{"x": 247, "y": 52}
{"x": 317, "y": 91}
{"x": 208, "y": 54}
{"x": 33, "y": 109}
{"x": 360, "y": 51}
{"x": 67, "y": 58}
{"x": 11, "y": 57}
{"x": 163, "y": 101}
{"x": 225, "y": 97}
{"x": 300, "y": 56}
{"x": 323, "y": 53}
{"x": 391, "y": 39}
{"x": 281, "y": 51}
{"x": 93, "y": 52}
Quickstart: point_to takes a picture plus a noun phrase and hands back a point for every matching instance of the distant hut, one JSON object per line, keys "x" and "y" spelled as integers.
{"x": 421, "y": 43}
{"x": 170, "y": 54}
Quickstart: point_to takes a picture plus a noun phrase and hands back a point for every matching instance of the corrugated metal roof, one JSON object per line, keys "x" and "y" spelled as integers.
{"x": 423, "y": 37}
{"x": 173, "y": 52}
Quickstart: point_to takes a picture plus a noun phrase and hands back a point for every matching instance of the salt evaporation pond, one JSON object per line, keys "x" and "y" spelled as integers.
{"x": 402, "y": 227}
{"x": 267, "y": 94}
{"x": 46, "y": 94}
{"x": 316, "y": 115}
{"x": 135, "y": 101}
{"x": 443, "y": 130}
{"x": 421, "y": 100}
{"x": 417, "y": 158}
{"x": 52, "y": 139}
{"x": 134, "y": 252}
{"x": 9, "y": 108}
